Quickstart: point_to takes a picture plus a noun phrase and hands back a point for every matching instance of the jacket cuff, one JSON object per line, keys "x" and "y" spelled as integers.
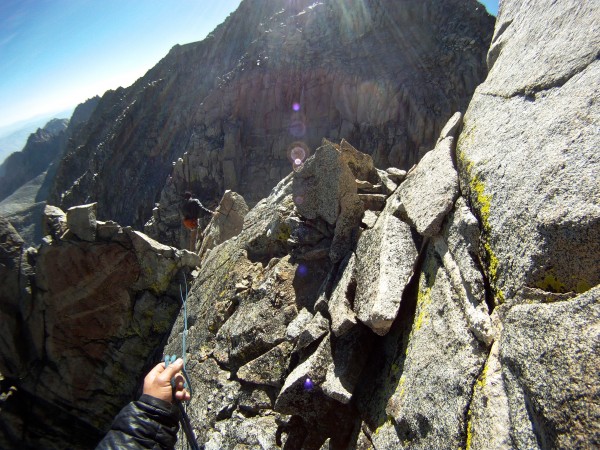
{"x": 167, "y": 407}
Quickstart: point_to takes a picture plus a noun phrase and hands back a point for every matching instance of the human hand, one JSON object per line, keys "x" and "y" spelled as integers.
{"x": 158, "y": 382}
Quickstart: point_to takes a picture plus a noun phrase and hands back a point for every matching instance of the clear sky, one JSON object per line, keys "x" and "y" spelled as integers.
{"x": 491, "y": 6}
{"x": 55, "y": 54}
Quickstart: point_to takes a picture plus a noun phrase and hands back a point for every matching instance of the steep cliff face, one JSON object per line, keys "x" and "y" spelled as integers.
{"x": 80, "y": 320}
{"x": 385, "y": 75}
{"x": 528, "y": 161}
{"x": 462, "y": 312}
{"x": 544, "y": 117}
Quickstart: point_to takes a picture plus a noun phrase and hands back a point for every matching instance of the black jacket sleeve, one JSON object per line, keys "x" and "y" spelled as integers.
{"x": 148, "y": 423}
{"x": 192, "y": 209}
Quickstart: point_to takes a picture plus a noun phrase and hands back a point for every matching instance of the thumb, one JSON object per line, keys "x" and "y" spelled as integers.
{"x": 172, "y": 369}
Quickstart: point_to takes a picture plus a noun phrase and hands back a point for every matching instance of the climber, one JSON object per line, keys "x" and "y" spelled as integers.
{"x": 191, "y": 210}
{"x": 152, "y": 421}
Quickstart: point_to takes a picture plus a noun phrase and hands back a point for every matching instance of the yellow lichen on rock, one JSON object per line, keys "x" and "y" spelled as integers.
{"x": 423, "y": 301}
{"x": 482, "y": 203}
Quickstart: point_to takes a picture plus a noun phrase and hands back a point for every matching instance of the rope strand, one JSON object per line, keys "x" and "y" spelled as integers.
{"x": 186, "y": 426}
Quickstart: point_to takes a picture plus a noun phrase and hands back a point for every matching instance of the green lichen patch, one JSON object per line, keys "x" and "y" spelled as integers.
{"x": 426, "y": 282}
{"x": 482, "y": 203}
{"x": 551, "y": 283}
{"x": 423, "y": 302}
{"x": 583, "y": 286}
{"x": 284, "y": 232}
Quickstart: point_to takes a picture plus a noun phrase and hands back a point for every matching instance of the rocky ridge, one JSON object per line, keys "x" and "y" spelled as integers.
{"x": 303, "y": 292}
{"x": 462, "y": 312}
{"x": 453, "y": 305}
{"x": 28, "y": 174}
{"x": 227, "y": 110}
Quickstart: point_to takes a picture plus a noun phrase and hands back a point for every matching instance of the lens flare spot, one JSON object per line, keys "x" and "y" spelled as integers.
{"x": 298, "y": 154}
{"x": 297, "y": 167}
{"x": 308, "y": 384}
{"x": 299, "y": 200}
{"x": 296, "y": 106}
{"x": 302, "y": 270}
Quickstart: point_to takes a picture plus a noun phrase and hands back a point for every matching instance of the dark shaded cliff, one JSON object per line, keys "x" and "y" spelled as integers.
{"x": 383, "y": 74}
{"x": 79, "y": 318}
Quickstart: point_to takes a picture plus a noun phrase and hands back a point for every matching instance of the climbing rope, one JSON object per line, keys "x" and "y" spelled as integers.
{"x": 185, "y": 324}
{"x": 184, "y": 418}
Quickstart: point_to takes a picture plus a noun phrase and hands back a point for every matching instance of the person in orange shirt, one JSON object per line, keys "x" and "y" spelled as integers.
{"x": 192, "y": 208}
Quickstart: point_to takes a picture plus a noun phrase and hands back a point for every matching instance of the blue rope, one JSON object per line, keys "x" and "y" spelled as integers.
{"x": 184, "y": 419}
{"x": 171, "y": 359}
{"x": 185, "y": 324}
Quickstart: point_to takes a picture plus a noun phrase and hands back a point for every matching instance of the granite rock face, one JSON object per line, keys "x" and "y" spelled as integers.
{"x": 236, "y": 110}
{"x": 528, "y": 152}
{"x": 79, "y": 316}
{"x": 527, "y": 159}
{"x": 467, "y": 347}
{"x": 324, "y": 188}
{"x": 441, "y": 365}
{"x": 550, "y": 372}
{"x": 81, "y": 221}
{"x": 227, "y": 223}
{"x": 385, "y": 258}
{"x": 429, "y": 192}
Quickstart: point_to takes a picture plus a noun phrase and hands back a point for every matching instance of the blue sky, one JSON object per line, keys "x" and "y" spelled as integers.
{"x": 491, "y": 6}
{"x": 55, "y": 54}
